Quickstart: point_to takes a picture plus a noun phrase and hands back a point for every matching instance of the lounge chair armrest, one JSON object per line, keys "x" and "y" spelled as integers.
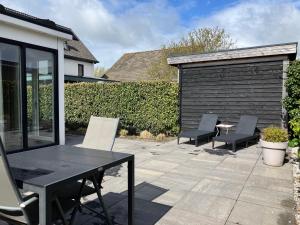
{"x": 28, "y": 202}
{"x": 11, "y": 211}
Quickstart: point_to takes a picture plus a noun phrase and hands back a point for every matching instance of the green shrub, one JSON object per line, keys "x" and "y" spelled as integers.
{"x": 292, "y": 101}
{"x": 275, "y": 134}
{"x": 292, "y": 84}
{"x": 294, "y": 143}
{"x": 151, "y": 106}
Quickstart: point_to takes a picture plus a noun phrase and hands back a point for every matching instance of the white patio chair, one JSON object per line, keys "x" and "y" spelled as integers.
{"x": 100, "y": 133}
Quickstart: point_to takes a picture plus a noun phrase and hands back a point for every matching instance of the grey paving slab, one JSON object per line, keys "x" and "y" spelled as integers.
{"x": 174, "y": 157}
{"x": 116, "y": 185}
{"x": 252, "y": 214}
{"x": 224, "y": 175}
{"x": 147, "y": 175}
{"x": 206, "y": 157}
{"x": 273, "y": 172}
{"x": 218, "y": 188}
{"x": 197, "y": 163}
{"x": 188, "y": 185}
{"x": 181, "y": 217}
{"x": 142, "y": 156}
{"x": 267, "y": 197}
{"x": 270, "y": 183}
{"x": 175, "y": 181}
{"x": 158, "y": 165}
{"x": 146, "y": 212}
{"x": 171, "y": 197}
{"x": 190, "y": 171}
{"x": 150, "y": 191}
{"x": 246, "y": 155}
{"x": 206, "y": 205}
{"x": 239, "y": 165}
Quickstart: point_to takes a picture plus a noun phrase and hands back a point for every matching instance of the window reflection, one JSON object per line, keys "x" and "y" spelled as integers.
{"x": 40, "y": 98}
{"x": 10, "y": 97}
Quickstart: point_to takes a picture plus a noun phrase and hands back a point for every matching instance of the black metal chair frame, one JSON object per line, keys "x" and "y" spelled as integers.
{"x": 245, "y": 128}
{"x": 206, "y": 129}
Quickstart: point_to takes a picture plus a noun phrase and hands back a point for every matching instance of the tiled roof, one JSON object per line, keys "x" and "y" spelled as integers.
{"x": 133, "y": 66}
{"x": 77, "y": 50}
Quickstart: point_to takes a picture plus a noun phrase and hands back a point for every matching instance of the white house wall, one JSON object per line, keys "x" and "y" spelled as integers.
{"x": 28, "y": 35}
{"x": 71, "y": 67}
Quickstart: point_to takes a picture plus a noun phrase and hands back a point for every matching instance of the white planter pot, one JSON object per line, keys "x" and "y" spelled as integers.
{"x": 273, "y": 152}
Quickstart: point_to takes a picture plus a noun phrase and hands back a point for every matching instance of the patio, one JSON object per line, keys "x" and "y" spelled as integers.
{"x": 182, "y": 184}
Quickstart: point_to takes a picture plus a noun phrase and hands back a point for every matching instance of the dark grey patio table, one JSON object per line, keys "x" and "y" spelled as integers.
{"x": 46, "y": 170}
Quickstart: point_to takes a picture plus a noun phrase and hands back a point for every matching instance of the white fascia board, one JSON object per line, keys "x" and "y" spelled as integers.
{"x": 34, "y": 27}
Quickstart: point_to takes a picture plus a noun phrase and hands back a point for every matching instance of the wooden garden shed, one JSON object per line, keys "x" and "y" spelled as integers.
{"x": 231, "y": 83}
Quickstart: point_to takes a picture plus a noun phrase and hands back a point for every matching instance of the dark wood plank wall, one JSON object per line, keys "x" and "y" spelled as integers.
{"x": 231, "y": 91}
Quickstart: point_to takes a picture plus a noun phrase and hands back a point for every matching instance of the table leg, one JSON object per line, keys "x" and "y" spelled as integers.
{"x": 131, "y": 192}
{"x": 45, "y": 208}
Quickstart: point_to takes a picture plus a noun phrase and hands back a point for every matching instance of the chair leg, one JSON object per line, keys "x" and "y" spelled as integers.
{"x": 196, "y": 142}
{"x": 178, "y": 140}
{"x": 213, "y": 144}
{"x": 234, "y": 146}
{"x": 61, "y": 212}
{"x": 73, "y": 216}
{"x": 77, "y": 206}
{"x": 101, "y": 201}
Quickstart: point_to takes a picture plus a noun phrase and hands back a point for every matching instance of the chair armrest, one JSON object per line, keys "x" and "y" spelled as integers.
{"x": 11, "y": 211}
{"x": 28, "y": 202}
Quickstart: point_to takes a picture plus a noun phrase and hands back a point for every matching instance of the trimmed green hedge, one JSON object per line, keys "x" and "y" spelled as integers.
{"x": 292, "y": 101}
{"x": 151, "y": 106}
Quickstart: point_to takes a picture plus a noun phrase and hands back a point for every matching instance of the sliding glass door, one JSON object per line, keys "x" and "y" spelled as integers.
{"x": 40, "y": 99}
{"x": 10, "y": 97}
{"x": 28, "y": 103}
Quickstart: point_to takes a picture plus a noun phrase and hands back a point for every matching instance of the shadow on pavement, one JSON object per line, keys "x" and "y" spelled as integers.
{"x": 147, "y": 212}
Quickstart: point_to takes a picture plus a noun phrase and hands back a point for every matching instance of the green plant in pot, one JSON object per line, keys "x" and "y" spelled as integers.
{"x": 274, "y": 142}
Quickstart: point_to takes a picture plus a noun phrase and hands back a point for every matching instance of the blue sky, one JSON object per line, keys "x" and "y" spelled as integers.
{"x": 110, "y": 28}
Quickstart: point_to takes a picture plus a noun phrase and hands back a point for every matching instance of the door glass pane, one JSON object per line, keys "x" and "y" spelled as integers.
{"x": 10, "y": 97}
{"x": 40, "y": 97}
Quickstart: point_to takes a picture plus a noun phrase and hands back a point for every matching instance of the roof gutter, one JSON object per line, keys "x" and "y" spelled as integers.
{"x": 81, "y": 59}
{"x": 35, "y": 27}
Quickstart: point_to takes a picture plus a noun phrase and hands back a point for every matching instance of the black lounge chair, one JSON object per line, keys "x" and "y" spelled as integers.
{"x": 18, "y": 209}
{"x": 245, "y": 131}
{"x": 206, "y": 129}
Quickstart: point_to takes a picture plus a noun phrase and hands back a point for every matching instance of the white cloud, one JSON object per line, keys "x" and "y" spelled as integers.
{"x": 258, "y": 22}
{"x": 109, "y": 30}
{"x": 112, "y": 27}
